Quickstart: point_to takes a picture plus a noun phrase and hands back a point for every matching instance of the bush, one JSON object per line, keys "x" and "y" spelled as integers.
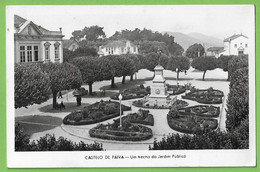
{"x": 128, "y": 132}
{"x": 110, "y": 108}
{"x": 50, "y": 143}
{"x": 238, "y": 99}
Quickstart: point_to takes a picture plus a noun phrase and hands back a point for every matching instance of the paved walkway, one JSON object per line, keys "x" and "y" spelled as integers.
{"x": 215, "y": 79}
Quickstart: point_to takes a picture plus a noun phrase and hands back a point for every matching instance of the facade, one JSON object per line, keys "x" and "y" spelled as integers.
{"x": 33, "y": 43}
{"x": 236, "y": 44}
{"x": 215, "y": 51}
{"x": 70, "y": 44}
{"x": 117, "y": 48}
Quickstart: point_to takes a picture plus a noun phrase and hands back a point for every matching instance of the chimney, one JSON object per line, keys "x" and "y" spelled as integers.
{"x": 60, "y": 29}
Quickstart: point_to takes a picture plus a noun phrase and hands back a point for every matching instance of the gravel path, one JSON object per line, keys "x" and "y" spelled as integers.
{"x": 216, "y": 79}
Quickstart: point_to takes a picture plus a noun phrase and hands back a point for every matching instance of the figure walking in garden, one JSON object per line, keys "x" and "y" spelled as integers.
{"x": 59, "y": 94}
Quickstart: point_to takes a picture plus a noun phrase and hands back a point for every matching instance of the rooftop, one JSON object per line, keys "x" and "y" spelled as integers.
{"x": 118, "y": 43}
{"x": 235, "y": 36}
{"x": 20, "y": 23}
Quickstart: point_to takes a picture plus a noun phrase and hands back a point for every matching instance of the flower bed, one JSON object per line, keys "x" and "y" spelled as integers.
{"x": 133, "y": 93}
{"x": 94, "y": 113}
{"x": 189, "y": 124}
{"x": 141, "y": 117}
{"x": 80, "y": 92}
{"x": 208, "y": 96}
{"x": 201, "y": 110}
{"x": 180, "y": 104}
{"x": 176, "y": 89}
{"x": 128, "y": 132}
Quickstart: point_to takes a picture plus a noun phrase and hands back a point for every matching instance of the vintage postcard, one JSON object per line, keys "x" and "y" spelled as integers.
{"x": 130, "y": 86}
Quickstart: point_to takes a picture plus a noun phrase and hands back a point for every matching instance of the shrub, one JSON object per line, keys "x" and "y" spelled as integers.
{"x": 110, "y": 108}
{"x": 50, "y": 143}
{"x": 238, "y": 99}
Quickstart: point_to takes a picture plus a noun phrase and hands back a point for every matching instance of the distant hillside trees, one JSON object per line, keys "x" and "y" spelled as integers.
{"x": 155, "y": 39}
{"x": 204, "y": 63}
{"x": 31, "y": 85}
{"x": 180, "y": 62}
{"x": 195, "y": 50}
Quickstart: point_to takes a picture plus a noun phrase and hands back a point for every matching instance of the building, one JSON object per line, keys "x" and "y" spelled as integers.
{"x": 117, "y": 48}
{"x": 70, "y": 44}
{"x": 34, "y": 43}
{"x": 236, "y": 44}
{"x": 215, "y": 51}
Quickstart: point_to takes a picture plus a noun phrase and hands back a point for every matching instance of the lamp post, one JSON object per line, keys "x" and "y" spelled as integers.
{"x": 177, "y": 76}
{"x": 120, "y": 99}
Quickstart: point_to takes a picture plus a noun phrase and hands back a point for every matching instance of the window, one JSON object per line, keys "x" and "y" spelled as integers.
{"x": 134, "y": 49}
{"x": 22, "y": 54}
{"x": 122, "y": 49}
{"x": 47, "y": 50}
{"x": 235, "y": 45}
{"x": 246, "y": 45}
{"x": 36, "y": 53}
{"x": 29, "y": 53}
{"x": 56, "y": 50}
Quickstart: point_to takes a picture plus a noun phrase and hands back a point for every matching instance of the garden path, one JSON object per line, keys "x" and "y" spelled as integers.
{"x": 216, "y": 79}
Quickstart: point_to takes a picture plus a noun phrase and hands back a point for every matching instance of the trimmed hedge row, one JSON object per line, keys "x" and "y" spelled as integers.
{"x": 185, "y": 130}
{"x": 87, "y": 122}
{"x": 215, "y": 115}
{"x": 121, "y": 135}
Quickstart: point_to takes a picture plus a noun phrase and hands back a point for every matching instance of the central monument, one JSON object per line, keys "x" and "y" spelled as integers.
{"x": 159, "y": 96}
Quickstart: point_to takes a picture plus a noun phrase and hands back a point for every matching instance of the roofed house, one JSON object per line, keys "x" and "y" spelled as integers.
{"x": 70, "y": 44}
{"x": 34, "y": 43}
{"x": 236, "y": 44}
{"x": 118, "y": 47}
{"x": 215, "y": 51}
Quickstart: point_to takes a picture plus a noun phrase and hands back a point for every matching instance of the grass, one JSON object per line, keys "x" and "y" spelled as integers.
{"x": 69, "y": 107}
{"x": 36, "y": 123}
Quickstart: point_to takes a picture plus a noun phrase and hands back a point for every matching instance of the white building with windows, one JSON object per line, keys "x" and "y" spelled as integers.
{"x": 33, "y": 43}
{"x": 236, "y": 44}
{"x": 118, "y": 47}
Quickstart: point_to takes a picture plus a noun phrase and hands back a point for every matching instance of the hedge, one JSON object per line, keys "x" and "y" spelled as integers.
{"x": 107, "y": 135}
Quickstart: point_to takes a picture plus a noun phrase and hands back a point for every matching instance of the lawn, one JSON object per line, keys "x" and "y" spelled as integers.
{"x": 36, "y": 123}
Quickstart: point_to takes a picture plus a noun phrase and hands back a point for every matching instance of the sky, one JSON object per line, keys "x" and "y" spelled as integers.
{"x": 219, "y": 21}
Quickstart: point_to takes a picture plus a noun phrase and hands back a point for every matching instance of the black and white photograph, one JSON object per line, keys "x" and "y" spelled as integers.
{"x": 130, "y": 86}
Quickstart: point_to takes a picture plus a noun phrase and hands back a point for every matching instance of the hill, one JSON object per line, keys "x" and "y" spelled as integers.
{"x": 186, "y": 40}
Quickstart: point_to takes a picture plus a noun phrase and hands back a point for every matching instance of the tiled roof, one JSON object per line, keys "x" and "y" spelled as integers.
{"x": 119, "y": 43}
{"x": 235, "y": 36}
{"x": 20, "y": 23}
{"x": 215, "y": 49}
{"x": 68, "y": 42}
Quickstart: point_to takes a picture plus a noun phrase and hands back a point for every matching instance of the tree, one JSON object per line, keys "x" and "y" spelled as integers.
{"x": 195, "y": 50}
{"x": 136, "y": 62}
{"x": 182, "y": 63}
{"x": 93, "y": 33}
{"x": 152, "y": 60}
{"x": 152, "y": 46}
{"x": 204, "y": 63}
{"x": 64, "y": 76}
{"x": 89, "y": 68}
{"x": 32, "y": 85}
{"x": 107, "y": 68}
{"x": 223, "y": 63}
{"x": 175, "y": 49}
{"x": 77, "y": 35}
{"x": 126, "y": 67}
{"x": 67, "y": 55}
{"x": 237, "y": 62}
{"x": 238, "y": 99}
